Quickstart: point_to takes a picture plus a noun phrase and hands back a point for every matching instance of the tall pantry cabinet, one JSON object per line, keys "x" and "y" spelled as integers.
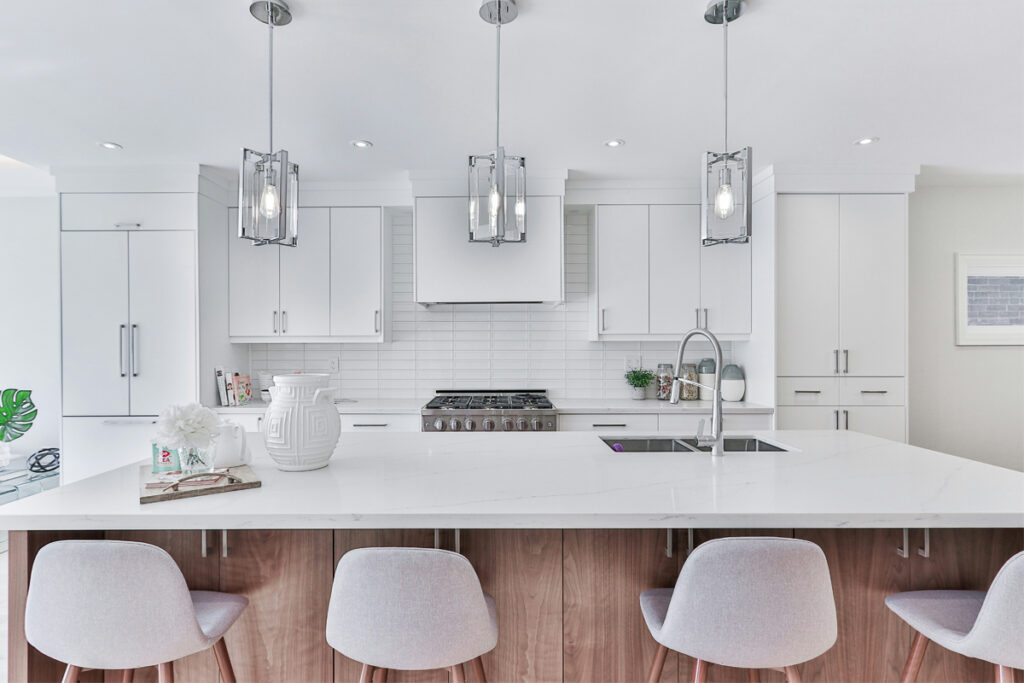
{"x": 841, "y": 312}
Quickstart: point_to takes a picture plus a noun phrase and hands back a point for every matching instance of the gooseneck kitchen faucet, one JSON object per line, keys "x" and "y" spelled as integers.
{"x": 715, "y": 438}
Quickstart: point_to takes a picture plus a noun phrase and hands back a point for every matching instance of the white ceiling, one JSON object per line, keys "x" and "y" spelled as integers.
{"x": 941, "y": 82}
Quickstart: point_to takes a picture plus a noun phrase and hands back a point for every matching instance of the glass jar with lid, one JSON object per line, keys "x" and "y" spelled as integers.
{"x": 664, "y": 377}
{"x": 689, "y": 392}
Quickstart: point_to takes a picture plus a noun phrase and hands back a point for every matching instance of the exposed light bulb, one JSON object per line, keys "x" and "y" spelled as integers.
{"x": 493, "y": 207}
{"x": 520, "y": 208}
{"x": 725, "y": 201}
{"x": 270, "y": 202}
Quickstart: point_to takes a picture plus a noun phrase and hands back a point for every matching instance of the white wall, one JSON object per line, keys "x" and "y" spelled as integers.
{"x": 964, "y": 400}
{"x": 30, "y": 317}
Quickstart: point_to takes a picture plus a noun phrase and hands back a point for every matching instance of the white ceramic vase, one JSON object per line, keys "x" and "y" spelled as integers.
{"x": 639, "y": 393}
{"x": 301, "y": 426}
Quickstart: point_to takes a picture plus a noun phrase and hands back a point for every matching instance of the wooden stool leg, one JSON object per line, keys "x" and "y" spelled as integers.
{"x": 165, "y": 672}
{"x": 700, "y": 671}
{"x": 914, "y": 659}
{"x": 380, "y": 676}
{"x": 458, "y": 674}
{"x": 71, "y": 674}
{"x": 658, "y": 664}
{"x": 754, "y": 675}
{"x": 792, "y": 675}
{"x": 478, "y": 670}
{"x": 220, "y": 650}
{"x": 127, "y": 676}
{"x": 367, "y": 675}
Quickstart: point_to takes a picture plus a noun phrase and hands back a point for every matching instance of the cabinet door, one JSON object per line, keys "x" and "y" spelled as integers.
{"x": 622, "y": 270}
{"x": 356, "y": 301}
{"x": 675, "y": 268}
{"x": 129, "y": 211}
{"x": 873, "y": 284}
{"x": 306, "y": 278}
{"x": 163, "y": 334}
{"x": 807, "y": 289}
{"x": 725, "y": 288}
{"x": 253, "y": 286}
{"x": 94, "y": 323}
{"x": 90, "y": 445}
{"x": 806, "y": 417}
{"x": 286, "y": 574}
{"x": 888, "y": 422}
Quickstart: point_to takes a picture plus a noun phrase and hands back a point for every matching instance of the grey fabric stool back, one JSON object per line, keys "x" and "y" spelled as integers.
{"x": 122, "y": 605}
{"x": 410, "y": 609}
{"x": 751, "y": 603}
{"x": 985, "y": 625}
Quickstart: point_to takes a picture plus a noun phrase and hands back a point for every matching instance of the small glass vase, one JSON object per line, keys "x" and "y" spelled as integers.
{"x": 195, "y": 460}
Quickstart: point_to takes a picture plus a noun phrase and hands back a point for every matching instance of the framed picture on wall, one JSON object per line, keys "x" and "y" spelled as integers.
{"x": 989, "y": 299}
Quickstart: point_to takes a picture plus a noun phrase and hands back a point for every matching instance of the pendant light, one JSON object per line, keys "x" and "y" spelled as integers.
{"x": 725, "y": 176}
{"x": 268, "y": 184}
{"x": 497, "y": 180}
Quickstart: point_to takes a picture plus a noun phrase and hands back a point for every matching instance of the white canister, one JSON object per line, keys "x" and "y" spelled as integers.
{"x": 301, "y": 426}
{"x": 733, "y": 383}
{"x": 706, "y": 376}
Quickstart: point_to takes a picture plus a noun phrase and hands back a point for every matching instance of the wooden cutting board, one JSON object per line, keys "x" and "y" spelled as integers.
{"x": 155, "y": 495}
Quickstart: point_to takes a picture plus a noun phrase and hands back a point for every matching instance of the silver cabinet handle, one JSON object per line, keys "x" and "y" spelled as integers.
{"x": 706, "y": 319}
{"x": 259, "y": 423}
{"x": 926, "y": 549}
{"x": 275, "y": 322}
{"x": 602, "y": 320}
{"x": 608, "y": 424}
{"x": 835, "y": 354}
{"x": 128, "y": 224}
{"x": 668, "y": 544}
{"x": 284, "y": 322}
{"x": 904, "y": 550}
{"x": 835, "y": 413}
{"x": 376, "y": 321}
{"x": 437, "y": 539}
{"x": 120, "y": 352}
{"x": 696, "y": 313}
{"x": 127, "y": 421}
{"x": 846, "y": 361}
{"x": 370, "y": 424}
{"x": 134, "y": 350}
{"x": 846, "y": 417}
{"x": 806, "y": 391}
{"x": 224, "y": 543}
{"x": 874, "y": 391}
{"x": 458, "y": 540}
{"x": 203, "y": 549}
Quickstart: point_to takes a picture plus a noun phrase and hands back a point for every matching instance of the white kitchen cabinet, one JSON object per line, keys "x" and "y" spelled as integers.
{"x": 356, "y": 286}
{"x": 253, "y": 286}
{"x": 608, "y": 423}
{"x": 90, "y": 445}
{"x": 306, "y": 272}
{"x": 623, "y": 271}
{"x": 807, "y": 417}
{"x": 888, "y": 422}
{"x": 380, "y": 422}
{"x": 689, "y": 423}
{"x": 725, "y": 288}
{"x": 129, "y": 211}
{"x": 128, "y": 321}
{"x": 675, "y": 268}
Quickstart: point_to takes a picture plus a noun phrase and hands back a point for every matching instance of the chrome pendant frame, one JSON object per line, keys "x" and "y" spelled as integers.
{"x": 257, "y": 168}
{"x": 736, "y": 228}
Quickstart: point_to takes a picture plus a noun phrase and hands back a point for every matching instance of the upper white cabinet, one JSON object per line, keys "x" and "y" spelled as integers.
{"x": 651, "y": 277}
{"x": 128, "y": 321}
{"x": 841, "y": 285}
{"x": 451, "y": 269}
{"x": 328, "y": 288}
{"x": 128, "y": 211}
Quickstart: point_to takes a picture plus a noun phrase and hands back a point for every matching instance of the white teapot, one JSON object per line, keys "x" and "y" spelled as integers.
{"x": 231, "y": 448}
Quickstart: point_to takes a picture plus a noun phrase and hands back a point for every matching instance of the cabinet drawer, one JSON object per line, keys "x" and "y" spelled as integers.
{"x": 608, "y": 423}
{"x": 806, "y": 417}
{"x": 129, "y": 211}
{"x": 250, "y": 422}
{"x": 887, "y": 422}
{"x": 380, "y": 423}
{"x": 688, "y": 424}
{"x": 872, "y": 391}
{"x": 807, "y": 391}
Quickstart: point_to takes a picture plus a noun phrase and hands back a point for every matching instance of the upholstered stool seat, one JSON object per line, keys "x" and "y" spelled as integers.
{"x": 120, "y": 605}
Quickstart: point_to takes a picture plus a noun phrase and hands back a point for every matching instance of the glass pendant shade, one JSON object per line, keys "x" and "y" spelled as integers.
{"x": 497, "y": 182}
{"x": 268, "y": 193}
{"x": 725, "y": 197}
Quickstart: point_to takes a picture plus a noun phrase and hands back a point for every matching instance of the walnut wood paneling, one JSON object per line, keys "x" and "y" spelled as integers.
{"x": 872, "y": 642}
{"x": 286, "y": 574}
{"x": 201, "y": 573}
{"x": 345, "y": 669}
{"x": 522, "y": 569}
{"x": 960, "y": 559}
{"x": 605, "y": 639}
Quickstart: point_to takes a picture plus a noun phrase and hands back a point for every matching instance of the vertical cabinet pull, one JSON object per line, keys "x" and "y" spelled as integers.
{"x": 846, "y": 419}
{"x": 376, "y": 321}
{"x": 668, "y": 544}
{"x": 706, "y": 319}
{"x": 846, "y": 361}
{"x": 904, "y": 550}
{"x": 275, "y": 322}
{"x": 835, "y": 355}
{"x": 120, "y": 353}
{"x": 696, "y": 314}
{"x": 437, "y": 539}
{"x": 926, "y": 549}
{"x": 835, "y": 413}
{"x": 284, "y": 322}
{"x": 602, "y": 320}
{"x": 203, "y": 550}
{"x": 458, "y": 541}
{"x": 224, "y": 543}
{"x": 134, "y": 350}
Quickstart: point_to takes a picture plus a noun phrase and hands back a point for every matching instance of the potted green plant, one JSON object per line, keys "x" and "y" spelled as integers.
{"x": 639, "y": 379}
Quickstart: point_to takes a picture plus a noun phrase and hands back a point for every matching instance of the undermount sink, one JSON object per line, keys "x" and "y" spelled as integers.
{"x": 734, "y": 444}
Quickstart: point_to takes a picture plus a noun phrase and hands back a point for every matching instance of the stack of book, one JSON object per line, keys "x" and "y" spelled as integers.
{"x": 234, "y": 389}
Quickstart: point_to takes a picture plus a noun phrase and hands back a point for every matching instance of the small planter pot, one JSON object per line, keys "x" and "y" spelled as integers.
{"x": 639, "y": 393}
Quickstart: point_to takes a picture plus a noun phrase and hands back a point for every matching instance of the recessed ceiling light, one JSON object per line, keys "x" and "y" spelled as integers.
{"x": 109, "y": 145}
{"x": 615, "y": 142}
{"x": 362, "y": 144}
{"x": 865, "y": 141}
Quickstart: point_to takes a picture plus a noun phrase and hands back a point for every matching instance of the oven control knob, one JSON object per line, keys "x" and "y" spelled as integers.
{"x": 469, "y": 425}
{"x": 521, "y": 424}
{"x": 439, "y": 425}
{"x": 488, "y": 425}
{"x": 506, "y": 424}
{"x": 454, "y": 424}
{"x": 535, "y": 424}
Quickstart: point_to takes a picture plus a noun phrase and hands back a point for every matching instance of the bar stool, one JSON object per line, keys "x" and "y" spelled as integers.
{"x": 751, "y": 603}
{"x": 985, "y": 625}
{"x": 122, "y": 605}
{"x": 410, "y": 609}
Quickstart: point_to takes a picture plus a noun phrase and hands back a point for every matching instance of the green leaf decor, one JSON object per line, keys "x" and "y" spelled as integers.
{"x": 17, "y": 411}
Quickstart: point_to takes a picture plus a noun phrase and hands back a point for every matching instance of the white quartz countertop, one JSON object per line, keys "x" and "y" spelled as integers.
{"x": 563, "y": 406}
{"x": 829, "y": 479}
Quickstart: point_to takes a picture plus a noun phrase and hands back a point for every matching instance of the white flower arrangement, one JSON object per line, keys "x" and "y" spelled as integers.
{"x": 187, "y": 426}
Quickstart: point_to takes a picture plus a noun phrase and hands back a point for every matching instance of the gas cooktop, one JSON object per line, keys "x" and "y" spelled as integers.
{"x": 503, "y": 411}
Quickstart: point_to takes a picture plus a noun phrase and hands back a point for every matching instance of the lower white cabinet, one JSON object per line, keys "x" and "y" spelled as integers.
{"x": 380, "y": 422}
{"x": 688, "y": 424}
{"x": 872, "y": 405}
{"x": 90, "y": 445}
{"x": 608, "y": 423}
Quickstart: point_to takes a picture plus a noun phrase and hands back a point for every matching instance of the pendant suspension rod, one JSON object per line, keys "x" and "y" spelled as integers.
{"x": 725, "y": 69}
{"x": 497, "y": 86}
{"x": 270, "y": 73}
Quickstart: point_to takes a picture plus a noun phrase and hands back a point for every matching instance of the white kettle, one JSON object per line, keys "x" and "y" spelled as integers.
{"x": 231, "y": 448}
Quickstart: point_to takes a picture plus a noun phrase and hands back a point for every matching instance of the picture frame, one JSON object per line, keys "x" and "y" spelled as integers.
{"x": 989, "y": 299}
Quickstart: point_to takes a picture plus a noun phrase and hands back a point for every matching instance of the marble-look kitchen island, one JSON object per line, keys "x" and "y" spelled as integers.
{"x": 564, "y": 532}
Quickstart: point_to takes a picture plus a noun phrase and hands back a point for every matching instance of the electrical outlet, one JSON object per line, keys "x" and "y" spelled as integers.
{"x": 335, "y": 364}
